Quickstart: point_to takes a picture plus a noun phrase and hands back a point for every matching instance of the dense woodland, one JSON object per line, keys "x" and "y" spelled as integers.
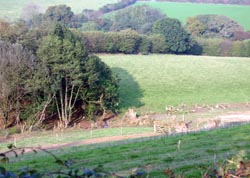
{"x": 47, "y": 70}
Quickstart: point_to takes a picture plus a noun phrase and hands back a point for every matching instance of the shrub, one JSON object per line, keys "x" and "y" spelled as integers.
{"x": 241, "y": 48}
{"x": 145, "y": 46}
{"x": 138, "y": 18}
{"x": 159, "y": 44}
{"x": 175, "y": 35}
{"x": 126, "y": 41}
{"x": 210, "y": 46}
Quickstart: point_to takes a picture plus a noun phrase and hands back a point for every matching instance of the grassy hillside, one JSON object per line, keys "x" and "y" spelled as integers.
{"x": 150, "y": 83}
{"x": 197, "y": 151}
{"x": 183, "y": 10}
{"x": 13, "y": 8}
{"x": 68, "y": 136}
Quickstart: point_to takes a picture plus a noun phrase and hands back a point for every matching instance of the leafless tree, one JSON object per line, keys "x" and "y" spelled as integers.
{"x": 30, "y": 10}
{"x": 16, "y": 66}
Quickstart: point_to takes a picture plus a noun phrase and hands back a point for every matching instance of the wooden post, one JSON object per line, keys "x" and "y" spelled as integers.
{"x": 91, "y": 131}
{"x": 169, "y": 130}
{"x": 15, "y": 141}
{"x": 179, "y": 145}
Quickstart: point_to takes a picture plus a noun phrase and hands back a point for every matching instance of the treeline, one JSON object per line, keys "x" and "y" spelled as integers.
{"x": 116, "y": 6}
{"x": 243, "y": 2}
{"x": 218, "y": 35}
{"x": 53, "y": 78}
{"x": 126, "y": 41}
{"x": 222, "y": 47}
{"x": 131, "y": 42}
{"x": 95, "y": 14}
{"x": 136, "y": 29}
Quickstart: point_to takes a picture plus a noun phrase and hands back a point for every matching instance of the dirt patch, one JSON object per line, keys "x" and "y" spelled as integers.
{"x": 225, "y": 120}
{"x": 203, "y": 117}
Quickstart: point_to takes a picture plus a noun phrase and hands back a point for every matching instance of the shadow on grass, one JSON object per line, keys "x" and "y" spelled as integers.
{"x": 130, "y": 91}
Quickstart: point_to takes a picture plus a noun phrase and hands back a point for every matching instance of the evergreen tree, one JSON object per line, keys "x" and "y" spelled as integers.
{"x": 176, "y": 37}
{"x": 75, "y": 78}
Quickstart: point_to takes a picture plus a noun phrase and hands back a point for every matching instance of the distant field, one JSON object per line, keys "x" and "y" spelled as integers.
{"x": 150, "y": 83}
{"x": 13, "y": 8}
{"x": 183, "y": 10}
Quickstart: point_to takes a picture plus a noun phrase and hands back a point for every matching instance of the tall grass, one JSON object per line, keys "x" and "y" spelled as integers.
{"x": 150, "y": 83}
{"x": 183, "y": 10}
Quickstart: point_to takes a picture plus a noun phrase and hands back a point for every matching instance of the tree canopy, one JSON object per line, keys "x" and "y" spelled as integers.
{"x": 17, "y": 86}
{"x": 61, "y": 80}
{"x": 175, "y": 35}
{"x": 139, "y": 18}
{"x": 213, "y": 26}
{"x": 75, "y": 79}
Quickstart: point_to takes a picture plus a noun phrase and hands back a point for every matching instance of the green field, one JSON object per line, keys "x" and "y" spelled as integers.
{"x": 13, "y": 8}
{"x": 68, "y": 136}
{"x": 150, "y": 83}
{"x": 197, "y": 151}
{"x": 183, "y": 10}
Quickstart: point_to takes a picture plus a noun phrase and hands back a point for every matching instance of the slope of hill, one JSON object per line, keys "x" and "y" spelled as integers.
{"x": 183, "y": 10}
{"x": 191, "y": 155}
{"x": 150, "y": 83}
{"x": 13, "y": 8}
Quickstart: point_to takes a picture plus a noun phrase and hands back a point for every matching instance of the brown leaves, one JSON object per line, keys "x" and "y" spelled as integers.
{"x": 243, "y": 170}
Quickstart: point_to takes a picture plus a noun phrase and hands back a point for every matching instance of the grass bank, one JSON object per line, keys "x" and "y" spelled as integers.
{"x": 62, "y": 137}
{"x": 13, "y": 8}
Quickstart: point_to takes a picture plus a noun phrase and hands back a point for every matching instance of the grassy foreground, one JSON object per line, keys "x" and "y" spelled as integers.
{"x": 68, "y": 136}
{"x": 150, "y": 83}
{"x": 197, "y": 151}
{"x": 13, "y": 8}
{"x": 183, "y": 10}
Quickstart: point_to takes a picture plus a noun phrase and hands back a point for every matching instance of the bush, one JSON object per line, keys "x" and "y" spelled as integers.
{"x": 178, "y": 39}
{"x": 127, "y": 41}
{"x": 241, "y": 48}
{"x": 90, "y": 26}
{"x": 221, "y": 47}
{"x": 213, "y": 26}
{"x": 145, "y": 46}
{"x": 138, "y": 18}
{"x": 210, "y": 46}
{"x": 130, "y": 41}
{"x": 116, "y": 6}
{"x": 159, "y": 44}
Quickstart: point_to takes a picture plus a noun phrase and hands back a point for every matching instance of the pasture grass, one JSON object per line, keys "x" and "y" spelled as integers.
{"x": 183, "y": 10}
{"x": 152, "y": 82}
{"x": 49, "y": 137}
{"x": 197, "y": 152}
{"x": 13, "y": 8}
